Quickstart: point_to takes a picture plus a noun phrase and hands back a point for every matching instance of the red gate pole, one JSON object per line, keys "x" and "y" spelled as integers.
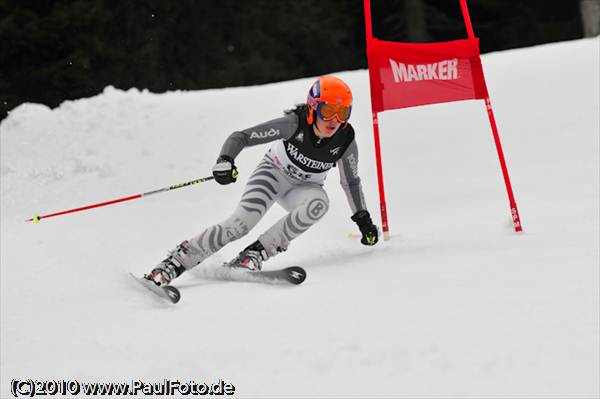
{"x": 511, "y": 198}
{"x": 375, "y": 90}
{"x": 488, "y": 105}
{"x": 384, "y": 222}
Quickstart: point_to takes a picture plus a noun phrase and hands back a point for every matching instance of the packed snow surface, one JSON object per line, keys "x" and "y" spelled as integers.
{"x": 455, "y": 304}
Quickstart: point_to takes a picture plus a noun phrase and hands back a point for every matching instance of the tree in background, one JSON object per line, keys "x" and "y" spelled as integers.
{"x": 54, "y": 50}
{"x": 501, "y": 24}
{"x": 590, "y": 17}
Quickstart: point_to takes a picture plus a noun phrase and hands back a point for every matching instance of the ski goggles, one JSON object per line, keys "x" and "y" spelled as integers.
{"x": 329, "y": 111}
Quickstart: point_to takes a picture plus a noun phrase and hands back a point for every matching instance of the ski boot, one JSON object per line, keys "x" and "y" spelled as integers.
{"x": 171, "y": 267}
{"x": 251, "y": 258}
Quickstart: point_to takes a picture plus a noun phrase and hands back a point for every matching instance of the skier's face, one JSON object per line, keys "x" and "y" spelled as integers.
{"x": 327, "y": 128}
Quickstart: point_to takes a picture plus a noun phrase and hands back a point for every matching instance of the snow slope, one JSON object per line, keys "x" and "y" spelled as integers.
{"x": 455, "y": 305}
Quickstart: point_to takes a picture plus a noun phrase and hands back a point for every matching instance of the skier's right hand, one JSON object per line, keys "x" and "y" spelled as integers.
{"x": 224, "y": 170}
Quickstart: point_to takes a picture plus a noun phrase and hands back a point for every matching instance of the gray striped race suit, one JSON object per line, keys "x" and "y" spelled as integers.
{"x": 292, "y": 174}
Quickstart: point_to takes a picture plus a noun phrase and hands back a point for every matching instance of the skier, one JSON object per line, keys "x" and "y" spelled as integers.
{"x": 308, "y": 141}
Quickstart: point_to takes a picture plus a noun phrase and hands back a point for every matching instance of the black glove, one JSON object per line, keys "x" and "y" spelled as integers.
{"x": 224, "y": 170}
{"x": 370, "y": 234}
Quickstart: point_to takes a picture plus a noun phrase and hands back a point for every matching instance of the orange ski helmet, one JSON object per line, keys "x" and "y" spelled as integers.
{"x": 329, "y": 97}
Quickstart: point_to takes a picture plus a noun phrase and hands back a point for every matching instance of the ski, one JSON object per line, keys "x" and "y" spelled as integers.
{"x": 290, "y": 275}
{"x": 293, "y": 275}
{"x": 166, "y": 292}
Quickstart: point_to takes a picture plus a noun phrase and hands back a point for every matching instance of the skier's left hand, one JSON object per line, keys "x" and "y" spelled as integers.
{"x": 370, "y": 234}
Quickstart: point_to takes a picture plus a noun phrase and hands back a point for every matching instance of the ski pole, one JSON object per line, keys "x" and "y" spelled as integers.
{"x": 36, "y": 218}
